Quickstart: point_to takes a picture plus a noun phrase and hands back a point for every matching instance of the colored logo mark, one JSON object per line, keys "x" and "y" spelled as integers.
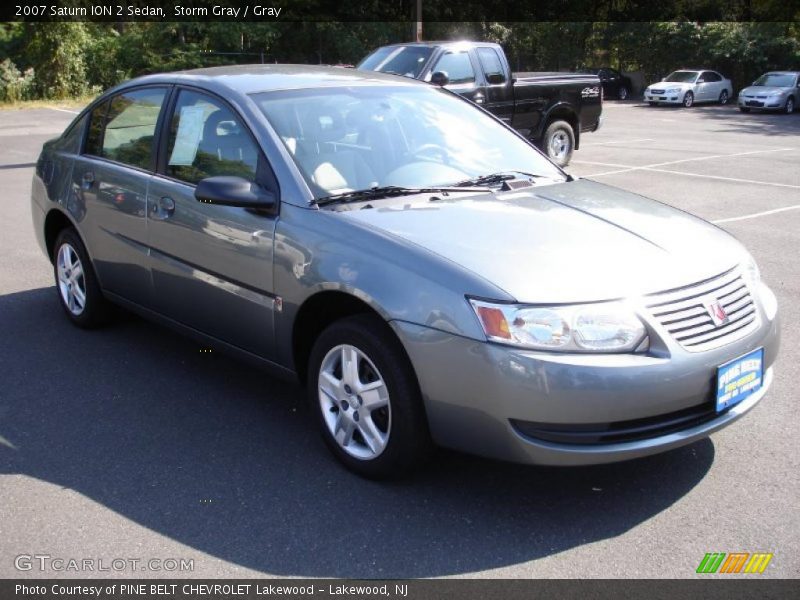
{"x": 735, "y": 562}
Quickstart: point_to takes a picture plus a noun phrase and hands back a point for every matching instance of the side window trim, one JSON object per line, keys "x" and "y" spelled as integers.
{"x": 164, "y": 131}
{"x": 168, "y": 92}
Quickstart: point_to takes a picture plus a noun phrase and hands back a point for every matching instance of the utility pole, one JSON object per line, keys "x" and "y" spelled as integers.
{"x": 419, "y": 21}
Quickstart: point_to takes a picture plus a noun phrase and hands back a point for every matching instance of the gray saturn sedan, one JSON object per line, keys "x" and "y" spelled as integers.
{"x": 430, "y": 276}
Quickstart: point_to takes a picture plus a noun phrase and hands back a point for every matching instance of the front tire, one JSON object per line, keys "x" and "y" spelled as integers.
{"x": 76, "y": 282}
{"x": 623, "y": 93}
{"x": 789, "y": 108}
{"x": 366, "y": 399}
{"x": 688, "y": 100}
{"x": 723, "y": 97}
{"x": 559, "y": 142}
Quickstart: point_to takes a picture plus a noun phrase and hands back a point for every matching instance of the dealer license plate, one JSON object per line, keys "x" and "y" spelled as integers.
{"x": 739, "y": 378}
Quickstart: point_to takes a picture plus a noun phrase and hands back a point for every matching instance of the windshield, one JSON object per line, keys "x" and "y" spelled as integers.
{"x": 776, "y": 80}
{"x": 682, "y": 76}
{"x": 355, "y": 138}
{"x": 400, "y": 60}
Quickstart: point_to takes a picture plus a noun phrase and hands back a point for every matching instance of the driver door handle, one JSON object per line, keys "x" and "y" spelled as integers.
{"x": 87, "y": 179}
{"x": 478, "y": 98}
{"x": 164, "y": 208}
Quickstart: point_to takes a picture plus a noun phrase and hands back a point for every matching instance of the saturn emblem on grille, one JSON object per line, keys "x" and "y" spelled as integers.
{"x": 716, "y": 311}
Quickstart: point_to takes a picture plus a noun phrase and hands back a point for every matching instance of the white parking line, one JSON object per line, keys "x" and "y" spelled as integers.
{"x": 685, "y": 160}
{"x": 758, "y": 214}
{"x": 74, "y": 112}
{"x": 736, "y": 179}
{"x": 620, "y": 142}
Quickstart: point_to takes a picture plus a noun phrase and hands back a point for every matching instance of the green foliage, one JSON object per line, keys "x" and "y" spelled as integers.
{"x": 75, "y": 58}
{"x": 15, "y": 86}
{"x": 57, "y": 51}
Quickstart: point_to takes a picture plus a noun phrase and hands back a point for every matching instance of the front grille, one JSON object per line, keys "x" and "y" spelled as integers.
{"x": 619, "y": 431}
{"x": 684, "y": 313}
{"x": 656, "y": 91}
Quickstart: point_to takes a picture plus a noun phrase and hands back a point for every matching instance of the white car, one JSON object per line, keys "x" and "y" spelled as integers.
{"x": 689, "y": 86}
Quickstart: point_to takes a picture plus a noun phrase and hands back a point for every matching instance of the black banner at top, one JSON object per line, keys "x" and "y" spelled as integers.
{"x": 400, "y": 10}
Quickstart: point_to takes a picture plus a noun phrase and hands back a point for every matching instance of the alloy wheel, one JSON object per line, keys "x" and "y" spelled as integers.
{"x": 789, "y": 105}
{"x": 354, "y": 401}
{"x": 688, "y": 99}
{"x": 71, "y": 279}
{"x": 723, "y": 97}
{"x": 559, "y": 145}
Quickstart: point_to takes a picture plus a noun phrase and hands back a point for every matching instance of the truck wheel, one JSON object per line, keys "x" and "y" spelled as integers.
{"x": 559, "y": 142}
{"x": 366, "y": 399}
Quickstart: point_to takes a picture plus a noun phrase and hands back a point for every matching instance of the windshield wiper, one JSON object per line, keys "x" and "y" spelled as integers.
{"x": 389, "y": 191}
{"x": 499, "y": 177}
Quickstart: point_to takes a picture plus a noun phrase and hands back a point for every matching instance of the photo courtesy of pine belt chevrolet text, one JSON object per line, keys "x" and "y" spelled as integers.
{"x": 427, "y": 273}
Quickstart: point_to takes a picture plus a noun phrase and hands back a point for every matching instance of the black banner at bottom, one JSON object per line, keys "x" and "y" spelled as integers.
{"x": 456, "y": 589}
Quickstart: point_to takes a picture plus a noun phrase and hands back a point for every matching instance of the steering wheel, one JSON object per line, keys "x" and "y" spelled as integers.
{"x": 432, "y": 151}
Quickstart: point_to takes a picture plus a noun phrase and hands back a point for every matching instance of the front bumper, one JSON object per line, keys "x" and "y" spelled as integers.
{"x": 665, "y": 98}
{"x": 486, "y": 398}
{"x": 767, "y": 103}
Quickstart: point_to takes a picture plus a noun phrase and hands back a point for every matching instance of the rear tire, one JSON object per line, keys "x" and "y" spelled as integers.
{"x": 723, "y": 97}
{"x": 76, "y": 282}
{"x": 559, "y": 142}
{"x": 370, "y": 416}
{"x": 688, "y": 100}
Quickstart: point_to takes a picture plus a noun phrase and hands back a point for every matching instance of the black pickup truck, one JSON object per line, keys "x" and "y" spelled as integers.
{"x": 551, "y": 109}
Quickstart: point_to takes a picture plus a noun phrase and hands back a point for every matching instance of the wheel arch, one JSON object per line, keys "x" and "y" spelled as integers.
{"x": 320, "y": 310}
{"x": 54, "y": 223}
{"x": 563, "y": 112}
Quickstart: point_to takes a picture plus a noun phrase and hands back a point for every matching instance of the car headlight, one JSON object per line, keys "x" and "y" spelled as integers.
{"x": 673, "y": 90}
{"x": 600, "y": 327}
{"x": 750, "y": 271}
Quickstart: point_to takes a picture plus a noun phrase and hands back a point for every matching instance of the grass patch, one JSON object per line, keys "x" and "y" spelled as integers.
{"x": 67, "y": 104}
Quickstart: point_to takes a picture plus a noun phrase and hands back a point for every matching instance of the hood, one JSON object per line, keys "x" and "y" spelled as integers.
{"x": 762, "y": 90}
{"x": 571, "y": 242}
{"x": 670, "y": 84}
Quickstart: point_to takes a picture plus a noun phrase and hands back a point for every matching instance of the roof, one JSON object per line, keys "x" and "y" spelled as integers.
{"x": 249, "y": 79}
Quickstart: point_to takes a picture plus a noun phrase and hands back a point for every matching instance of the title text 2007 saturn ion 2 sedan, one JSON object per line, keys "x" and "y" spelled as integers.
{"x": 428, "y": 273}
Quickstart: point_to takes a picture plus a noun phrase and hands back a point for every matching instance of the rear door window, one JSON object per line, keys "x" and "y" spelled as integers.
{"x": 490, "y": 62}
{"x": 129, "y": 127}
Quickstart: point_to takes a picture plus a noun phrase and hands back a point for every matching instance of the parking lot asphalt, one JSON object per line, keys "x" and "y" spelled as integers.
{"x": 130, "y": 443}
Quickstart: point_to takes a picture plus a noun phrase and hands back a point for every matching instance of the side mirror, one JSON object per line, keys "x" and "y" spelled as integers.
{"x": 233, "y": 191}
{"x": 495, "y": 78}
{"x": 440, "y": 78}
{"x": 701, "y": 81}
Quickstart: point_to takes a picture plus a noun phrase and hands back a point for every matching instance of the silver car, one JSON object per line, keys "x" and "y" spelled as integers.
{"x": 427, "y": 273}
{"x": 777, "y": 90}
{"x": 688, "y": 87}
